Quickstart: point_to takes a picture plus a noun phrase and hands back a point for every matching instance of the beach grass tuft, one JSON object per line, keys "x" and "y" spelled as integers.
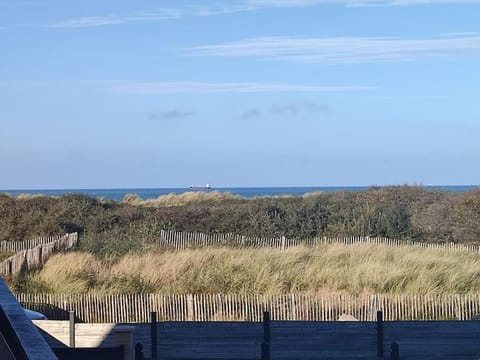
{"x": 353, "y": 269}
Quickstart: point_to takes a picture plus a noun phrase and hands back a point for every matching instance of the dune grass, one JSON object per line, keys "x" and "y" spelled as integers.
{"x": 187, "y": 198}
{"x": 4, "y": 254}
{"x": 192, "y": 197}
{"x": 353, "y": 269}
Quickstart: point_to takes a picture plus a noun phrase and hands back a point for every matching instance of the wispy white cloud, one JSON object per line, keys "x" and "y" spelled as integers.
{"x": 250, "y": 113}
{"x": 338, "y": 50}
{"x": 461, "y": 34}
{"x": 115, "y": 19}
{"x": 157, "y": 14}
{"x": 353, "y": 3}
{"x": 229, "y": 7}
{"x": 414, "y": 97}
{"x": 425, "y": 2}
{"x": 180, "y": 87}
{"x": 295, "y": 108}
{"x": 169, "y": 114}
{"x": 291, "y": 108}
{"x": 160, "y": 88}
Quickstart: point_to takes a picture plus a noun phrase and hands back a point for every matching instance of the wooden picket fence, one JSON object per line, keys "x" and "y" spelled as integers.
{"x": 179, "y": 240}
{"x": 125, "y": 308}
{"x": 17, "y": 246}
{"x": 30, "y": 257}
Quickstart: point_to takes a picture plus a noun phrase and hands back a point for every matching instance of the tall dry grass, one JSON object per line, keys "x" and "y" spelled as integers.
{"x": 31, "y": 196}
{"x": 326, "y": 268}
{"x": 183, "y": 199}
{"x": 191, "y": 197}
{"x": 4, "y": 254}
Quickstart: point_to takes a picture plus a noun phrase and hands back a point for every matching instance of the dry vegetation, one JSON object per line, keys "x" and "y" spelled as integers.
{"x": 350, "y": 269}
{"x": 184, "y": 199}
{"x": 114, "y": 235}
{"x": 5, "y": 254}
{"x": 111, "y": 228}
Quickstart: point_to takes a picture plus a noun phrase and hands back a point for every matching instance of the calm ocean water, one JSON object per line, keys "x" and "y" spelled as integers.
{"x": 247, "y": 192}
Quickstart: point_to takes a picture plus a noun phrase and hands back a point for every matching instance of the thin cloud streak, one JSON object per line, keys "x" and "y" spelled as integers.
{"x": 414, "y": 97}
{"x": 115, "y": 19}
{"x": 158, "y": 14}
{"x": 182, "y": 87}
{"x": 222, "y": 8}
{"x": 342, "y": 50}
{"x": 164, "y": 88}
{"x": 291, "y": 108}
{"x": 169, "y": 115}
{"x": 353, "y": 3}
{"x": 429, "y": 2}
{"x": 250, "y": 113}
{"x": 298, "y": 107}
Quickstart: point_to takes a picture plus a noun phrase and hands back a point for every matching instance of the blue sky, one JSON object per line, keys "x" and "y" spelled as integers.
{"x": 97, "y": 94}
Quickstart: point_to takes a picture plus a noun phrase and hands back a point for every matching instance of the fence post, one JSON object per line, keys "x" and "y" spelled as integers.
{"x": 379, "y": 334}
{"x": 395, "y": 351}
{"x": 71, "y": 319}
{"x": 266, "y": 336}
{"x": 139, "y": 351}
{"x": 40, "y": 254}
{"x": 153, "y": 334}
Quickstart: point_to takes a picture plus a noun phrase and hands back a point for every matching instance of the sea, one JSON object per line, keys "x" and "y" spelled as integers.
{"x": 246, "y": 192}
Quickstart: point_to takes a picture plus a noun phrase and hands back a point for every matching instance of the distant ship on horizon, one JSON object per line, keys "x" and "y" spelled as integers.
{"x": 206, "y": 187}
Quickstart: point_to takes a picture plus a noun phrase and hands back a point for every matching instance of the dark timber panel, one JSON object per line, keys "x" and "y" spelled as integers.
{"x": 18, "y": 331}
{"x": 323, "y": 340}
{"x": 205, "y": 340}
{"x": 312, "y": 340}
{"x": 209, "y": 340}
{"x": 435, "y": 339}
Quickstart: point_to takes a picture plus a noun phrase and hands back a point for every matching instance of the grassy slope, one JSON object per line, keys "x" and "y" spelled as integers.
{"x": 327, "y": 268}
{"x": 5, "y": 254}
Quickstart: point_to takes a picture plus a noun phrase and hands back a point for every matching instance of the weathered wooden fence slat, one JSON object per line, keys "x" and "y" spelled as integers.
{"x": 121, "y": 308}
{"x": 183, "y": 240}
{"x": 33, "y": 253}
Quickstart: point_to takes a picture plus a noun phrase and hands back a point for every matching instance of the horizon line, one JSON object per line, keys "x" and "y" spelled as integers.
{"x": 244, "y": 187}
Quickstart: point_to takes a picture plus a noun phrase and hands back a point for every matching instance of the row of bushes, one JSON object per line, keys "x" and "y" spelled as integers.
{"x": 113, "y": 228}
